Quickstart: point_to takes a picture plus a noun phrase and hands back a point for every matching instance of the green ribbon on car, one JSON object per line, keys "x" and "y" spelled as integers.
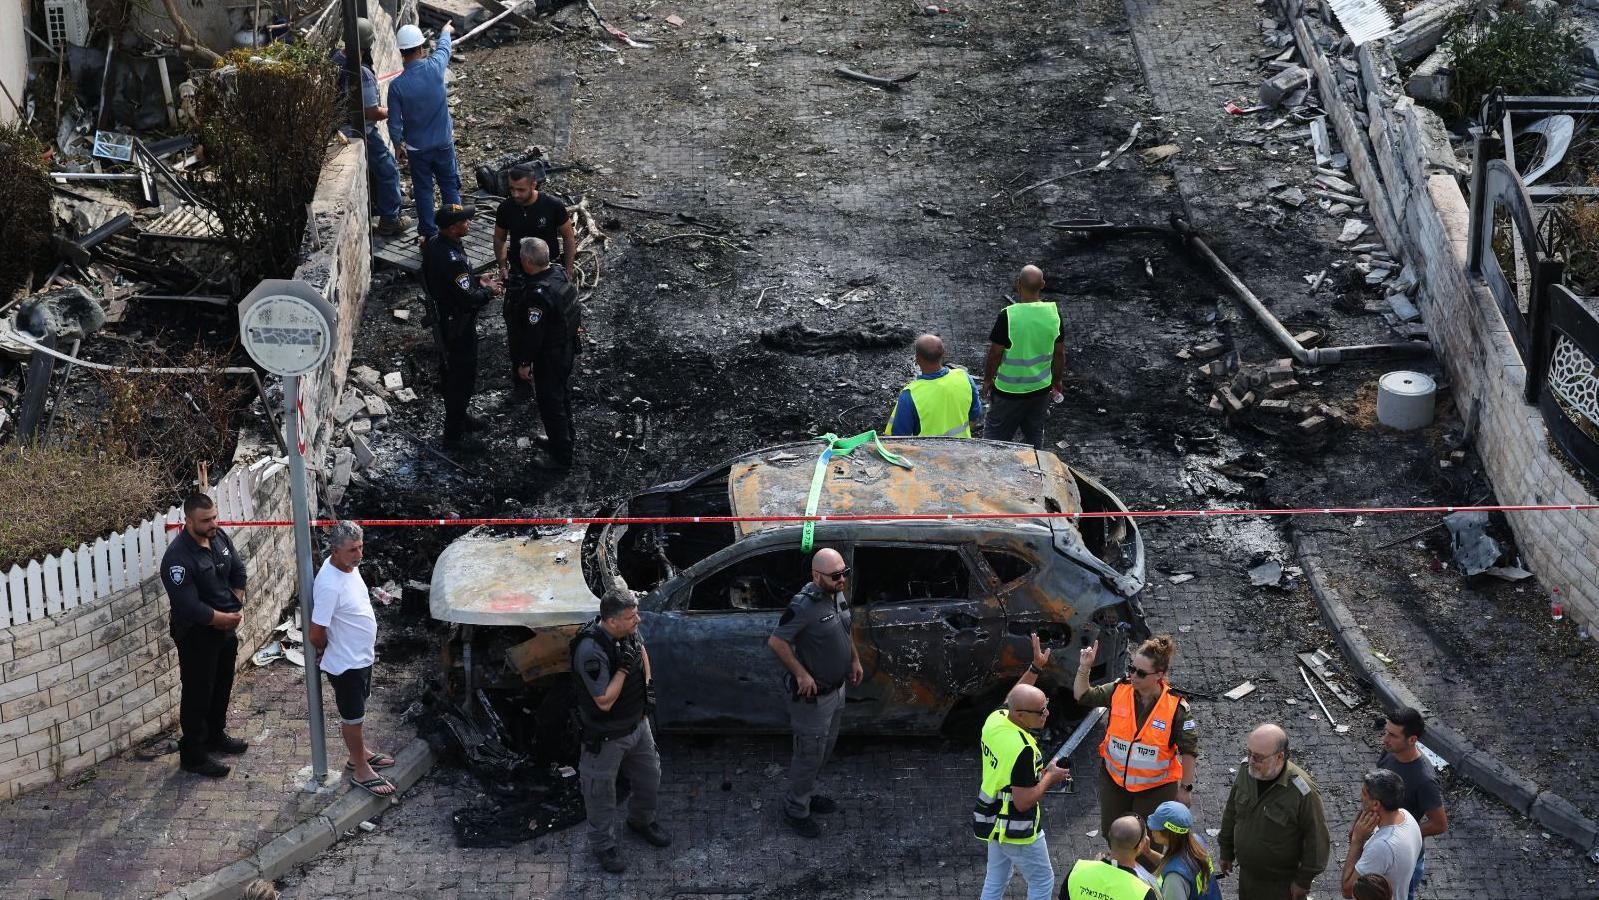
{"x": 837, "y": 446}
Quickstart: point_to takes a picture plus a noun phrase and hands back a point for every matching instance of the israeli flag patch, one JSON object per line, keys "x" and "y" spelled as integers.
{"x": 1158, "y": 723}
{"x": 1188, "y": 725}
{"x": 177, "y": 574}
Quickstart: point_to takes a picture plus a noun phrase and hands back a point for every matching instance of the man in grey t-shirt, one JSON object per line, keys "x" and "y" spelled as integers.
{"x": 813, "y": 641}
{"x": 1384, "y": 840}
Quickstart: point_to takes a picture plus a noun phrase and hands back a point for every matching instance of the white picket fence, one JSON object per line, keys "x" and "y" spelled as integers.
{"x": 73, "y": 578}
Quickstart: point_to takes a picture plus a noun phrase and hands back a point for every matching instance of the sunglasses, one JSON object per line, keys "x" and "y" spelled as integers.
{"x": 1134, "y": 670}
{"x": 841, "y": 573}
{"x": 1261, "y": 757}
{"x": 1043, "y": 711}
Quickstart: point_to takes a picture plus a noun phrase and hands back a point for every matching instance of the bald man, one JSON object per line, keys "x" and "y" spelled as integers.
{"x": 1114, "y": 877}
{"x": 1014, "y": 779}
{"x": 1273, "y": 826}
{"x": 813, "y": 642}
{"x": 1026, "y": 363}
{"x": 942, "y": 401}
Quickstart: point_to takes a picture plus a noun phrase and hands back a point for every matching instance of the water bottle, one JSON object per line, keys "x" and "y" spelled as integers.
{"x": 1557, "y": 610}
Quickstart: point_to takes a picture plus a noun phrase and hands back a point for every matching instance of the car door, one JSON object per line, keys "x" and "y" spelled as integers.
{"x": 934, "y": 629}
{"x": 707, "y": 641}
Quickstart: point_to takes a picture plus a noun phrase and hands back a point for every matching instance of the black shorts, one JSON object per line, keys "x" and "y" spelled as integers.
{"x": 350, "y": 690}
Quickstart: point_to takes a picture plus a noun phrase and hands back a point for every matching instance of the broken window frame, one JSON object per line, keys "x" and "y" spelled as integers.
{"x": 976, "y": 579}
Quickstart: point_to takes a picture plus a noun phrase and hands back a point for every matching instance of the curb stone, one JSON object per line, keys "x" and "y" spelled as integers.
{"x": 1512, "y": 788}
{"x": 305, "y": 841}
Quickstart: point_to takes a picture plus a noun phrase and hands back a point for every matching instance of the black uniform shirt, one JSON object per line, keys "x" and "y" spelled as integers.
{"x": 200, "y": 579}
{"x": 553, "y": 315}
{"x": 542, "y": 219}
{"x": 448, "y": 279}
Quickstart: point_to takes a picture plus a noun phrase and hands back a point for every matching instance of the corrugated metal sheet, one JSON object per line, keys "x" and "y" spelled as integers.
{"x": 1363, "y": 20}
{"x": 185, "y": 222}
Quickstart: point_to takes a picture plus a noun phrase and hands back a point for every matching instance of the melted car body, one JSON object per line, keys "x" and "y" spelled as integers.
{"x": 944, "y": 610}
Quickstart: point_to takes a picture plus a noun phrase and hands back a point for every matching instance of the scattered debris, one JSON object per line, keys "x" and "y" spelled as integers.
{"x": 888, "y": 84}
{"x": 1473, "y": 550}
{"x": 1267, "y": 574}
{"x": 803, "y": 339}
{"x": 1241, "y": 691}
{"x": 1277, "y": 88}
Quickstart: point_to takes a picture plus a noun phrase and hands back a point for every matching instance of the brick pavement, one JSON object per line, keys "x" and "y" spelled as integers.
{"x": 902, "y": 830}
{"x": 134, "y": 828}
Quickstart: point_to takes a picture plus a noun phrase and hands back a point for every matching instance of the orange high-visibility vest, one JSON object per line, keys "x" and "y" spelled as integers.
{"x": 1138, "y": 760}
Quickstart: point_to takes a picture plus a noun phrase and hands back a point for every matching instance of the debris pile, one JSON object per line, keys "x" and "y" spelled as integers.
{"x": 1262, "y": 395}
{"x": 363, "y": 408}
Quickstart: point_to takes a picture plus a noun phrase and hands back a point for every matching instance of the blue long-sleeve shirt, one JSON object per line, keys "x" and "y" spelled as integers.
{"x": 419, "y": 112}
{"x": 905, "y": 421}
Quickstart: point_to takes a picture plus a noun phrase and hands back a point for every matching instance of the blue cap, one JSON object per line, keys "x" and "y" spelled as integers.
{"x": 1173, "y": 817}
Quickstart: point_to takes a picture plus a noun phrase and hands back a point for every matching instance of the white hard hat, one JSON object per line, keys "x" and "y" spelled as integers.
{"x": 409, "y": 37}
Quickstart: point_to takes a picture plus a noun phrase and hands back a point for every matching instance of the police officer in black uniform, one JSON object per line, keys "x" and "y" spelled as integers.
{"x": 542, "y": 319}
{"x": 204, "y": 577}
{"x": 456, "y": 295}
{"x": 614, "y": 701}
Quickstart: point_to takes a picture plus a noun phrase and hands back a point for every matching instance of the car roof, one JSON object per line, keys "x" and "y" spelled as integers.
{"x": 948, "y": 475}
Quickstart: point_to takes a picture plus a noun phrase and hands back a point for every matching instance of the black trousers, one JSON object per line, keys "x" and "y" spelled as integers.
{"x": 458, "y": 372}
{"x": 552, "y": 390}
{"x": 518, "y": 341}
{"x": 205, "y": 672}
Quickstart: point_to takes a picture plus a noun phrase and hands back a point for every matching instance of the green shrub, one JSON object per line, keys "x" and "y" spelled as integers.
{"x": 266, "y": 116}
{"x": 1520, "y": 53}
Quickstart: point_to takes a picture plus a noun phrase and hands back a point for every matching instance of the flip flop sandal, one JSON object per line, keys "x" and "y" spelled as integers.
{"x": 371, "y": 786}
{"x": 376, "y": 761}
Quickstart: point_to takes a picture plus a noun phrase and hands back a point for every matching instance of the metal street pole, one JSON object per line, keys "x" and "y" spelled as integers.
{"x": 302, "y": 555}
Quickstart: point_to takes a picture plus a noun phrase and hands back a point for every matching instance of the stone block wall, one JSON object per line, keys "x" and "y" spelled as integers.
{"x": 338, "y": 262}
{"x": 1407, "y": 172}
{"x": 78, "y": 688}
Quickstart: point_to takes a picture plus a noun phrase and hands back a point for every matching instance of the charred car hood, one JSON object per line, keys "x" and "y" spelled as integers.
{"x": 483, "y": 579}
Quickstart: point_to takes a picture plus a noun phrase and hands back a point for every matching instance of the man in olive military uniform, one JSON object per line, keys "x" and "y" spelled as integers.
{"x": 1273, "y": 826}
{"x": 615, "y": 698}
{"x": 457, "y": 295}
{"x": 204, "y": 577}
{"x": 542, "y": 317}
{"x": 813, "y": 641}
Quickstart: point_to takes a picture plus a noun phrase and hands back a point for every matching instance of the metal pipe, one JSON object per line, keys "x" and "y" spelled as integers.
{"x": 1318, "y": 356}
{"x": 302, "y": 551}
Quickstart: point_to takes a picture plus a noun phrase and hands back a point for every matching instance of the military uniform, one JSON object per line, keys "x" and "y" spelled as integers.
{"x": 817, "y": 626}
{"x": 542, "y": 317}
{"x": 457, "y": 295}
{"x": 1276, "y": 831}
{"x": 615, "y": 741}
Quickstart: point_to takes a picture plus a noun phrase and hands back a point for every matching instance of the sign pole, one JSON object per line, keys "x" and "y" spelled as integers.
{"x": 302, "y": 554}
{"x": 287, "y": 327}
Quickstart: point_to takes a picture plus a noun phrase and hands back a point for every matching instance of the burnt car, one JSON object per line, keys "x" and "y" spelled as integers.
{"x": 944, "y": 610}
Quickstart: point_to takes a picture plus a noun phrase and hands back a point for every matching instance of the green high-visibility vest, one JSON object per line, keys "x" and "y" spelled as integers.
{"x": 993, "y": 818}
{"x": 943, "y": 405}
{"x": 1033, "y": 328}
{"x": 1091, "y": 879}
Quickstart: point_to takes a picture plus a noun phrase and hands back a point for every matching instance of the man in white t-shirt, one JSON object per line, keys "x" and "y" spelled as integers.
{"x": 345, "y": 633}
{"x": 1385, "y": 839}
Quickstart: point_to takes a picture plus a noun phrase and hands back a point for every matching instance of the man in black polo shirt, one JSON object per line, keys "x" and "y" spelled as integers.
{"x": 530, "y": 213}
{"x": 204, "y": 578}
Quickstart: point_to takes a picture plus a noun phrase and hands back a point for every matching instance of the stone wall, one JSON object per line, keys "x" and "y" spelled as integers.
{"x": 1401, "y": 158}
{"x": 85, "y": 685}
{"x": 338, "y": 256}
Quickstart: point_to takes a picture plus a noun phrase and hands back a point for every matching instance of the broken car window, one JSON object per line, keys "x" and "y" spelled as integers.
{"x": 889, "y": 575}
{"x": 1008, "y": 567}
{"x": 765, "y": 581}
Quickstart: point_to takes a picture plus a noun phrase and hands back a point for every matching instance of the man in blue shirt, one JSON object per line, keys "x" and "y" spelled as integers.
{"x": 930, "y": 405}
{"x": 419, "y": 123}
{"x": 384, "y": 174}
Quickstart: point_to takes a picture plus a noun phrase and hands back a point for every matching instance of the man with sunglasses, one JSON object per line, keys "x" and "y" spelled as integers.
{"x": 1007, "y": 814}
{"x": 1273, "y": 826}
{"x": 813, "y": 642}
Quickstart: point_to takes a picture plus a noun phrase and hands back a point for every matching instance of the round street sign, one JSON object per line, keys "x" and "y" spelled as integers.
{"x": 286, "y": 326}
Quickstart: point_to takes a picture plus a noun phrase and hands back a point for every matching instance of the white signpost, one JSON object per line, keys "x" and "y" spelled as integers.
{"x": 287, "y": 328}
